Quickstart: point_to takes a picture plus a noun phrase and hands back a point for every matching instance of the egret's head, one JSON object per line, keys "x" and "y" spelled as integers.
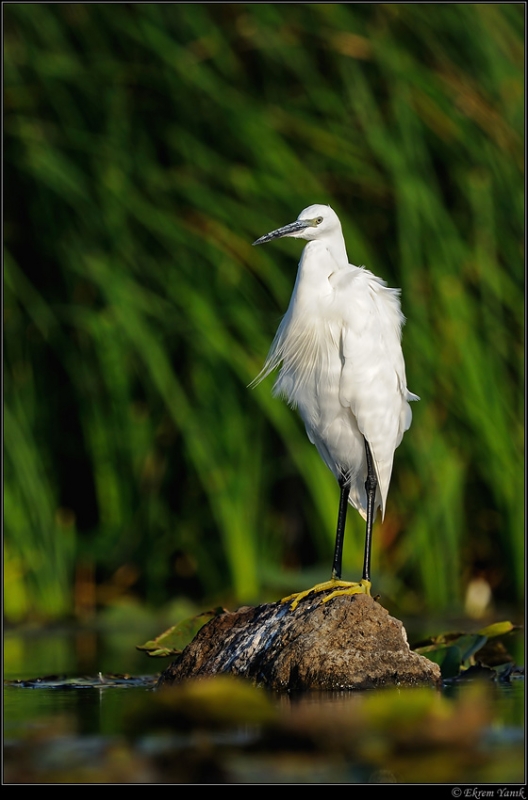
{"x": 314, "y": 222}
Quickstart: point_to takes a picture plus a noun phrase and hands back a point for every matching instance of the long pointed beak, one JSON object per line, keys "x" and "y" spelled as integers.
{"x": 287, "y": 230}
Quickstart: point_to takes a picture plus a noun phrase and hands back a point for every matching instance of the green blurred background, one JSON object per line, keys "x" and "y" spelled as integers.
{"x": 146, "y": 146}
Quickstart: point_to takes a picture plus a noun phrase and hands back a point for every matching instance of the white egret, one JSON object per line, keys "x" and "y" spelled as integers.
{"x": 342, "y": 367}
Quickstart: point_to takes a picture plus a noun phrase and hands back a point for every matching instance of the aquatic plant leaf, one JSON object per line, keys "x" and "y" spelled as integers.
{"x": 490, "y": 631}
{"x": 448, "y": 649}
{"x": 469, "y": 645}
{"x": 172, "y": 641}
{"x": 449, "y": 659}
{"x": 497, "y": 629}
{"x": 453, "y": 657}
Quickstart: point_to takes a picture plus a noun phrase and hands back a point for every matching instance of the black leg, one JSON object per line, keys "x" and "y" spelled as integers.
{"x": 370, "y": 486}
{"x": 340, "y": 533}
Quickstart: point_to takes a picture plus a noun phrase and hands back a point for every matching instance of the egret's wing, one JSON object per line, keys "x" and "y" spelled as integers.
{"x": 373, "y": 383}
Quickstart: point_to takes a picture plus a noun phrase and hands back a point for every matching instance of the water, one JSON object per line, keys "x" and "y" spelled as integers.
{"x": 120, "y": 730}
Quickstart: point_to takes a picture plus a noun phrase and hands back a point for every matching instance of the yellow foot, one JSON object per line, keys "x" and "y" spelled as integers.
{"x": 334, "y": 586}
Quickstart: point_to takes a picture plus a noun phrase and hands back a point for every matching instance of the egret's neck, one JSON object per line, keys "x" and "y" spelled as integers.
{"x": 325, "y": 256}
{"x": 320, "y": 259}
{"x": 337, "y": 249}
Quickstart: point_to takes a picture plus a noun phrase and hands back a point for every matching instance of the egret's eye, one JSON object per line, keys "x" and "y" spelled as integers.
{"x": 318, "y": 220}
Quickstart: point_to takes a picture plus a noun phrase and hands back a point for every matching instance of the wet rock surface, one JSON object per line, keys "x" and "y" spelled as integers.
{"x": 351, "y": 642}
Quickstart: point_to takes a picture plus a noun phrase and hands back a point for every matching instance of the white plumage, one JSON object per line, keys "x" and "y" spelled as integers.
{"x": 341, "y": 363}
